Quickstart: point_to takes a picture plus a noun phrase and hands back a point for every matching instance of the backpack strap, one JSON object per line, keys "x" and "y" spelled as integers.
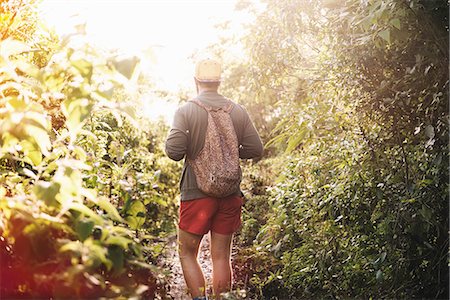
{"x": 199, "y": 103}
{"x": 226, "y": 109}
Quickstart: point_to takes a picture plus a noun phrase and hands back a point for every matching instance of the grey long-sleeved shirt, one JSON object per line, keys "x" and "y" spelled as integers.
{"x": 187, "y": 137}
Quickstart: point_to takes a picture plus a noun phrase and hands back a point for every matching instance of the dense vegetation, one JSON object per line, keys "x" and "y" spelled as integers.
{"x": 85, "y": 187}
{"x": 360, "y": 91}
{"x": 350, "y": 200}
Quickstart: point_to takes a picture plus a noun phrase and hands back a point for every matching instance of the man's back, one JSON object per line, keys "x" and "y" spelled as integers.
{"x": 187, "y": 137}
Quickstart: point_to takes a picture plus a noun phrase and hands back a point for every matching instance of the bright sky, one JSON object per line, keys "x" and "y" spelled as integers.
{"x": 173, "y": 29}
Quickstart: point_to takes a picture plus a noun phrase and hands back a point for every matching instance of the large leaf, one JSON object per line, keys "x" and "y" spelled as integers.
{"x": 295, "y": 139}
{"x": 110, "y": 209}
{"x": 396, "y": 23}
{"x": 119, "y": 241}
{"x": 76, "y": 111}
{"x": 32, "y": 152}
{"x": 385, "y": 35}
{"x": 40, "y": 137}
{"x": 47, "y": 192}
{"x": 73, "y": 246}
{"x": 84, "y": 67}
{"x": 85, "y": 210}
{"x": 84, "y": 228}
{"x": 97, "y": 254}
{"x": 136, "y": 214}
{"x": 126, "y": 65}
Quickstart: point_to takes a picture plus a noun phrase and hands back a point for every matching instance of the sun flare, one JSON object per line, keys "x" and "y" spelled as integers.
{"x": 163, "y": 34}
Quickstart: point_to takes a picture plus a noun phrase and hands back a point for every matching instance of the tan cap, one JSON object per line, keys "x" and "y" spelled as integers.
{"x": 208, "y": 70}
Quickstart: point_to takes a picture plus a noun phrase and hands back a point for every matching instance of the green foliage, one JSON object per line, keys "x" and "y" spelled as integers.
{"x": 361, "y": 209}
{"x": 130, "y": 168}
{"x": 352, "y": 202}
{"x": 59, "y": 221}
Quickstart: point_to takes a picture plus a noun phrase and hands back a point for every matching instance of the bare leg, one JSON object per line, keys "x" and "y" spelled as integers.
{"x": 188, "y": 245}
{"x": 221, "y": 259}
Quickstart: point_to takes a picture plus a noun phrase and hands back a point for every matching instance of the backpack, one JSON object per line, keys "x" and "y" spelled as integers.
{"x": 216, "y": 167}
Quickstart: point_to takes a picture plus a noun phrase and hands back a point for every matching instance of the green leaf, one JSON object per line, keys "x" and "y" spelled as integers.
{"x": 84, "y": 67}
{"x": 35, "y": 157}
{"x": 38, "y": 136}
{"x": 297, "y": 138}
{"x": 126, "y": 66}
{"x": 116, "y": 255}
{"x": 90, "y": 194}
{"x": 86, "y": 211}
{"x": 84, "y": 228}
{"x": 76, "y": 111}
{"x": 110, "y": 209}
{"x": 119, "y": 241}
{"x": 31, "y": 152}
{"x": 136, "y": 214}
{"x": 396, "y": 23}
{"x": 385, "y": 35}
{"x": 97, "y": 255}
{"x": 73, "y": 246}
{"x": 47, "y": 192}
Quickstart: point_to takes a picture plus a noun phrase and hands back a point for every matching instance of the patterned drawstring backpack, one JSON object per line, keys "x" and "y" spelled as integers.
{"x": 216, "y": 167}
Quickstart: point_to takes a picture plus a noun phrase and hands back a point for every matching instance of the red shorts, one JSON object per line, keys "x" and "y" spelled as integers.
{"x": 221, "y": 216}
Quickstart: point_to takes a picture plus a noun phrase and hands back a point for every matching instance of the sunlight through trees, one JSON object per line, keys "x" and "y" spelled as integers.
{"x": 349, "y": 201}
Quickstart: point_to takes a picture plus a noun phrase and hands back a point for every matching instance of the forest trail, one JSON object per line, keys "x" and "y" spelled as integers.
{"x": 350, "y": 197}
{"x": 177, "y": 286}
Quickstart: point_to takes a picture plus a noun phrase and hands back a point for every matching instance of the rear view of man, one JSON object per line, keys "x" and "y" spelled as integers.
{"x": 203, "y": 210}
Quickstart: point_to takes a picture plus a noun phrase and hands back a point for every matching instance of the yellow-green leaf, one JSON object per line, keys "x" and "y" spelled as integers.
{"x": 76, "y": 111}
{"x": 385, "y": 35}
{"x": 110, "y": 209}
{"x": 40, "y": 137}
{"x": 137, "y": 212}
{"x": 47, "y": 192}
{"x": 74, "y": 246}
{"x": 84, "y": 67}
{"x": 31, "y": 152}
{"x": 85, "y": 210}
{"x": 119, "y": 241}
{"x": 396, "y": 23}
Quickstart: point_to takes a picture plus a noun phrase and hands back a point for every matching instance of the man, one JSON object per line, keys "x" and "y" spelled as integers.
{"x": 200, "y": 213}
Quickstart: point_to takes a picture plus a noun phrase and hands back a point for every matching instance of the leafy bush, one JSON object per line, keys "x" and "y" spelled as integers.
{"x": 61, "y": 234}
{"x": 361, "y": 208}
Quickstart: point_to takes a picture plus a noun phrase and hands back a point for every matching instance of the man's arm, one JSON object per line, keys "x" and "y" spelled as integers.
{"x": 176, "y": 142}
{"x": 251, "y": 145}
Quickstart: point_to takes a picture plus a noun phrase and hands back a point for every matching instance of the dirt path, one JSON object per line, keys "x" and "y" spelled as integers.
{"x": 176, "y": 282}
